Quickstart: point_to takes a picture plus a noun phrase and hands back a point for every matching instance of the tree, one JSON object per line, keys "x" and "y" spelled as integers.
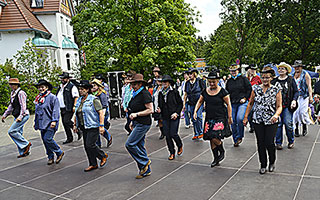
{"x": 137, "y": 34}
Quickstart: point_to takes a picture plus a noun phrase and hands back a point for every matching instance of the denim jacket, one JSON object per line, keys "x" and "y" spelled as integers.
{"x": 303, "y": 87}
{"x": 47, "y": 112}
{"x": 90, "y": 115}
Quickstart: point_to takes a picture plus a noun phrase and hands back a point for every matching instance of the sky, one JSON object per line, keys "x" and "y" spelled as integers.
{"x": 209, "y": 9}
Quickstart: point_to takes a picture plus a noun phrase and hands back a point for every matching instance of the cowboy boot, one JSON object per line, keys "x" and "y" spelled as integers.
{"x": 221, "y": 151}
{"x": 215, "y": 155}
{"x": 304, "y": 129}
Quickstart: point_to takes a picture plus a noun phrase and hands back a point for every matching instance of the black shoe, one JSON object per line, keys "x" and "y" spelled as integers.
{"x": 251, "y": 130}
{"x": 107, "y": 126}
{"x": 161, "y": 137}
{"x": 79, "y": 133}
{"x": 296, "y": 131}
{"x": 67, "y": 141}
{"x": 215, "y": 155}
{"x": 279, "y": 147}
{"x": 271, "y": 168}
{"x": 262, "y": 171}
{"x": 221, "y": 151}
{"x": 304, "y": 130}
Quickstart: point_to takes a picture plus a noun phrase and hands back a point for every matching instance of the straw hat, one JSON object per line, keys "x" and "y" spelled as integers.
{"x": 14, "y": 81}
{"x": 97, "y": 82}
{"x": 287, "y": 66}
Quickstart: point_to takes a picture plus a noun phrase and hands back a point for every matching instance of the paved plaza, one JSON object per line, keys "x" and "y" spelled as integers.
{"x": 297, "y": 174}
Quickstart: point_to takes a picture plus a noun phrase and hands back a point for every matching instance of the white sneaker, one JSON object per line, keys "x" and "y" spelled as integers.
{"x": 187, "y": 126}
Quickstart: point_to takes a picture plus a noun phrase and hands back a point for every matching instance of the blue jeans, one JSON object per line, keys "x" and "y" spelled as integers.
{"x": 135, "y": 144}
{"x": 286, "y": 119}
{"x": 49, "y": 143}
{"x": 16, "y": 134}
{"x": 186, "y": 115}
{"x": 106, "y": 134}
{"x": 197, "y": 124}
{"x": 238, "y": 111}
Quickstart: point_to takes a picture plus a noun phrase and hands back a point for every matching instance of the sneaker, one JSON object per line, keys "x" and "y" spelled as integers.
{"x": 262, "y": 170}
{"x": 50, "y": 162}
{"x": 200, "y": 136}
{"x": 171, "y": 157}
{"x": 194, "y": 137}
{"x": 180, "y": 151}
{"x": 187, "y": 126}
{"x": 279, "y": 147}
{"x": 290, "y": 146}
{"x": 147, "y": 173}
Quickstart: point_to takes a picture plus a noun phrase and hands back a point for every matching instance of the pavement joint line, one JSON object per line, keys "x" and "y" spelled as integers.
{"x": 164, "y": 177}
{"x": 306, "y": 166}
{"x": 2, "y": 170}
{"x": 220, "y": 188}
{"x": 111, "y": 172}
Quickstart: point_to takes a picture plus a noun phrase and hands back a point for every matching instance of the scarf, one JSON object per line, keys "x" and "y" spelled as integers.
{"x": 234, "y": 77}
{"x": 165, "y": 92}
{"x": 135, "y": 93}
{"x": 40, "y": 98}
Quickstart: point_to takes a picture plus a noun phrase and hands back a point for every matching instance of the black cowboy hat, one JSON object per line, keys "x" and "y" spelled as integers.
{"x": 65, "y": 75}
{"x": 298, "y": 63}
{"x": 84, "y": 84}
{"x": 212, "y": 75}
{"x": 193, "y": 70}
{"x": 44, "y": 82}
{"x": 252, "y": 66}
{"x": 167, "y": 78}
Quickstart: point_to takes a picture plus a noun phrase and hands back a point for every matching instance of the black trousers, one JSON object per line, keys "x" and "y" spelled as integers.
{"x": 170, "y": 130}
{"x": 90, "y": 137}
{"x": 265, "y": 141}
{"x": 67, "y": 122}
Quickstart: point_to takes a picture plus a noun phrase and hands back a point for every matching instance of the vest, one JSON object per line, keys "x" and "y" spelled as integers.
{"x": 67, "y": 96}
{"x": 90, "y": 115}
{"x": 303, "y": 85}
{"x": 16, "y": 106}
{"x": 194, "y": 93}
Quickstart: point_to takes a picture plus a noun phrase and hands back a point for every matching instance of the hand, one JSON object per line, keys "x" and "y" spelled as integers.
{"x": 75, "y": 129}
{"x": 183, "y": 108}
{"x": 18, "y": 120}
{"x": 53, "y": 124}
{"x": 310, "y": 99}
{"x": 230, "y": 121}
{"x": 74, "y": 108}
{"x": 158, "y": 110}
{"x": 243, "y": 100}
{"x": 101, "y": 130}
{"x": 174, "y": 116}
{"x": 195, "y": 116}
{"x": 3, "y": 118}
{"x": 133, "y": 115}
{"x": 293, "y": 104}
{"x": 245, "y": 121}
{"x": 126, "y": 110}
{"x": 130, "y": 126}
{"x": 274, "y": 119}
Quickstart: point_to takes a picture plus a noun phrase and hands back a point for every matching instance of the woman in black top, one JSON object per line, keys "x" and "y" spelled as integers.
{"x": 170, "y": 107}
{"x": 218, "y": 116}
{"x": 239, "y": 88}
{"x": 139, "y": 110}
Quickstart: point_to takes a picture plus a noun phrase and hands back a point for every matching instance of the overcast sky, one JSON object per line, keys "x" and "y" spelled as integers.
{"x": 209, "y": 10}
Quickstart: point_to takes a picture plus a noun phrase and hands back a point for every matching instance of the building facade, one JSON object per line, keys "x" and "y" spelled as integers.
{"x": 46, "y": 22}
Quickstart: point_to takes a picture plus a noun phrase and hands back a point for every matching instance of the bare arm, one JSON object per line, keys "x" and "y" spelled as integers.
{"x": 147, "y": 111}
{"x": 275, "y": 117}
{"x": 229, "y": 108}
{"x": 308, "y": 80}
{"x": 199, "y": 103}
{"x": 249, "y": 107}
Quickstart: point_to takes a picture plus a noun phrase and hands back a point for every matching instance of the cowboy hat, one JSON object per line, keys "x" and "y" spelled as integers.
{"x": 137, "y": 78}
{"x": 287, "y": 66}
{"x": 64, "y": 75}
{"x": 14, "y": 81}
{"x": 267, "y": 69}
{"x": 212, "y": 75}
{"x": 167, "y": 78}
{"x": 191, "y": 70}
{"x": 252, "y": 66}
{"x": 84, "y": 84}
{"x": 44, "y": 82}
{"x": 233, "y": 67}
{"x": 298, "y": 63}
{"x": 156, "y": 69}
{"x": 97, "y": 82}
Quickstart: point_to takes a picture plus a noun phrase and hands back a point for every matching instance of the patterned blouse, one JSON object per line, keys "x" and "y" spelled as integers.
{"x": 265, "y": 103}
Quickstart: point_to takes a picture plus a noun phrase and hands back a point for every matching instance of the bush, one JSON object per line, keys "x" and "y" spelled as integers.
{"x": 31, "y": 64}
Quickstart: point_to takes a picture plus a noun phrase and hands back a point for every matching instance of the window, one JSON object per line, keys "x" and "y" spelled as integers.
{"x": 68, "y": 61}
{"x": 67, "y": 26}
{"x": 62, "y": 27}
{"x": 0, "y": 37}
{"x": 36, "y": 3}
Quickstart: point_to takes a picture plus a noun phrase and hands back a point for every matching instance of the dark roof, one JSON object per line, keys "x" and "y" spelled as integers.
{"x": 17, "y": 16}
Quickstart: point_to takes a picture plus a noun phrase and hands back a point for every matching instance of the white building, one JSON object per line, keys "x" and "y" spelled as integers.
{"x": 47, "y": 22}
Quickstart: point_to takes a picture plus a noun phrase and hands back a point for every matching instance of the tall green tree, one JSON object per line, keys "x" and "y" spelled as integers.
{"x": 137, "y": 34}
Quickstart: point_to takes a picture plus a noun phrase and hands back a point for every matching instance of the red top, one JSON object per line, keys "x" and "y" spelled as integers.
{"x": 255, "y": 80}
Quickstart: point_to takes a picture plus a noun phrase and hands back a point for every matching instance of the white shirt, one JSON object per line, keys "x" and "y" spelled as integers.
{"x": 74, "y": 93}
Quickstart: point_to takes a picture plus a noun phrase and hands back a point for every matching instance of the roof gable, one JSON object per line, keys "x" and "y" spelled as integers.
{"x": 51, "y": 6}
{"x": 16, "y": 16}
